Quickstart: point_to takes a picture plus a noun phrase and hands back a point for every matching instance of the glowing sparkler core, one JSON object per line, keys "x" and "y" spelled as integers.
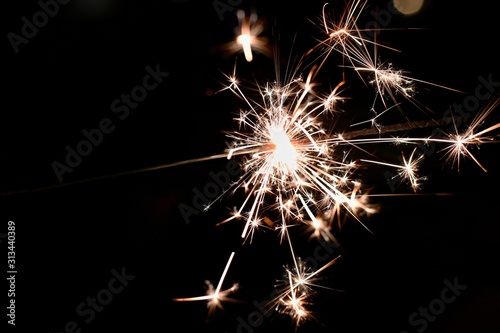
{"x": 285, "y": 155}
{"x": 290, "y": 157}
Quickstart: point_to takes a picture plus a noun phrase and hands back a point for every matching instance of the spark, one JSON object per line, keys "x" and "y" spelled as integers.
{"x": 345, "y": 38}
{"x": 389, "y": 82}
{"x": 216, "y": 296}
{"x": 297, "y": 290}
{"x": 407, "y": 170}
{"x": 472, "y": 136}
{"x": 248, "y": 37}
{"x": 295, "y": 303}
{"x": 342, "y": 34}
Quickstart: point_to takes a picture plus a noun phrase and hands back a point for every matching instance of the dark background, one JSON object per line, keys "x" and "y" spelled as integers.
{"x": 69, "y": 238}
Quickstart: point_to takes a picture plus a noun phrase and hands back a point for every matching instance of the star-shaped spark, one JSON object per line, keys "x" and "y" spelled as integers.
{"x": 215, "y": 297}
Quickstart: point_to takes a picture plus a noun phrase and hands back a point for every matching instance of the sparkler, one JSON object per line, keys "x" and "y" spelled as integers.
{"x": 296, "y": 172}
{"x": 298, "y": 169}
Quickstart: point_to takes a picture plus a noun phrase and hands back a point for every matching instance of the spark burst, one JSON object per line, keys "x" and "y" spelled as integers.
{"x": 290, "y": 160}
{"x": 298, "y": 171}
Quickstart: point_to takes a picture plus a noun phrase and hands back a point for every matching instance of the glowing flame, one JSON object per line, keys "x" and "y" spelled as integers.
{"x": 285, "y": 155}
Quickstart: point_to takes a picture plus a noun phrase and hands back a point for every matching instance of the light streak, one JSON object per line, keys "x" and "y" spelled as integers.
{"x": 216, "y": 296}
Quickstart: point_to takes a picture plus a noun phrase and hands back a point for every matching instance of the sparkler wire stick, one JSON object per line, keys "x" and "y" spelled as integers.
{"x": 119, "y": 174}
{"x": 346, "y": 135}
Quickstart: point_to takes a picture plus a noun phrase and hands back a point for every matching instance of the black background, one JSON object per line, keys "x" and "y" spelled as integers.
{"x": 70, "y": 238}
